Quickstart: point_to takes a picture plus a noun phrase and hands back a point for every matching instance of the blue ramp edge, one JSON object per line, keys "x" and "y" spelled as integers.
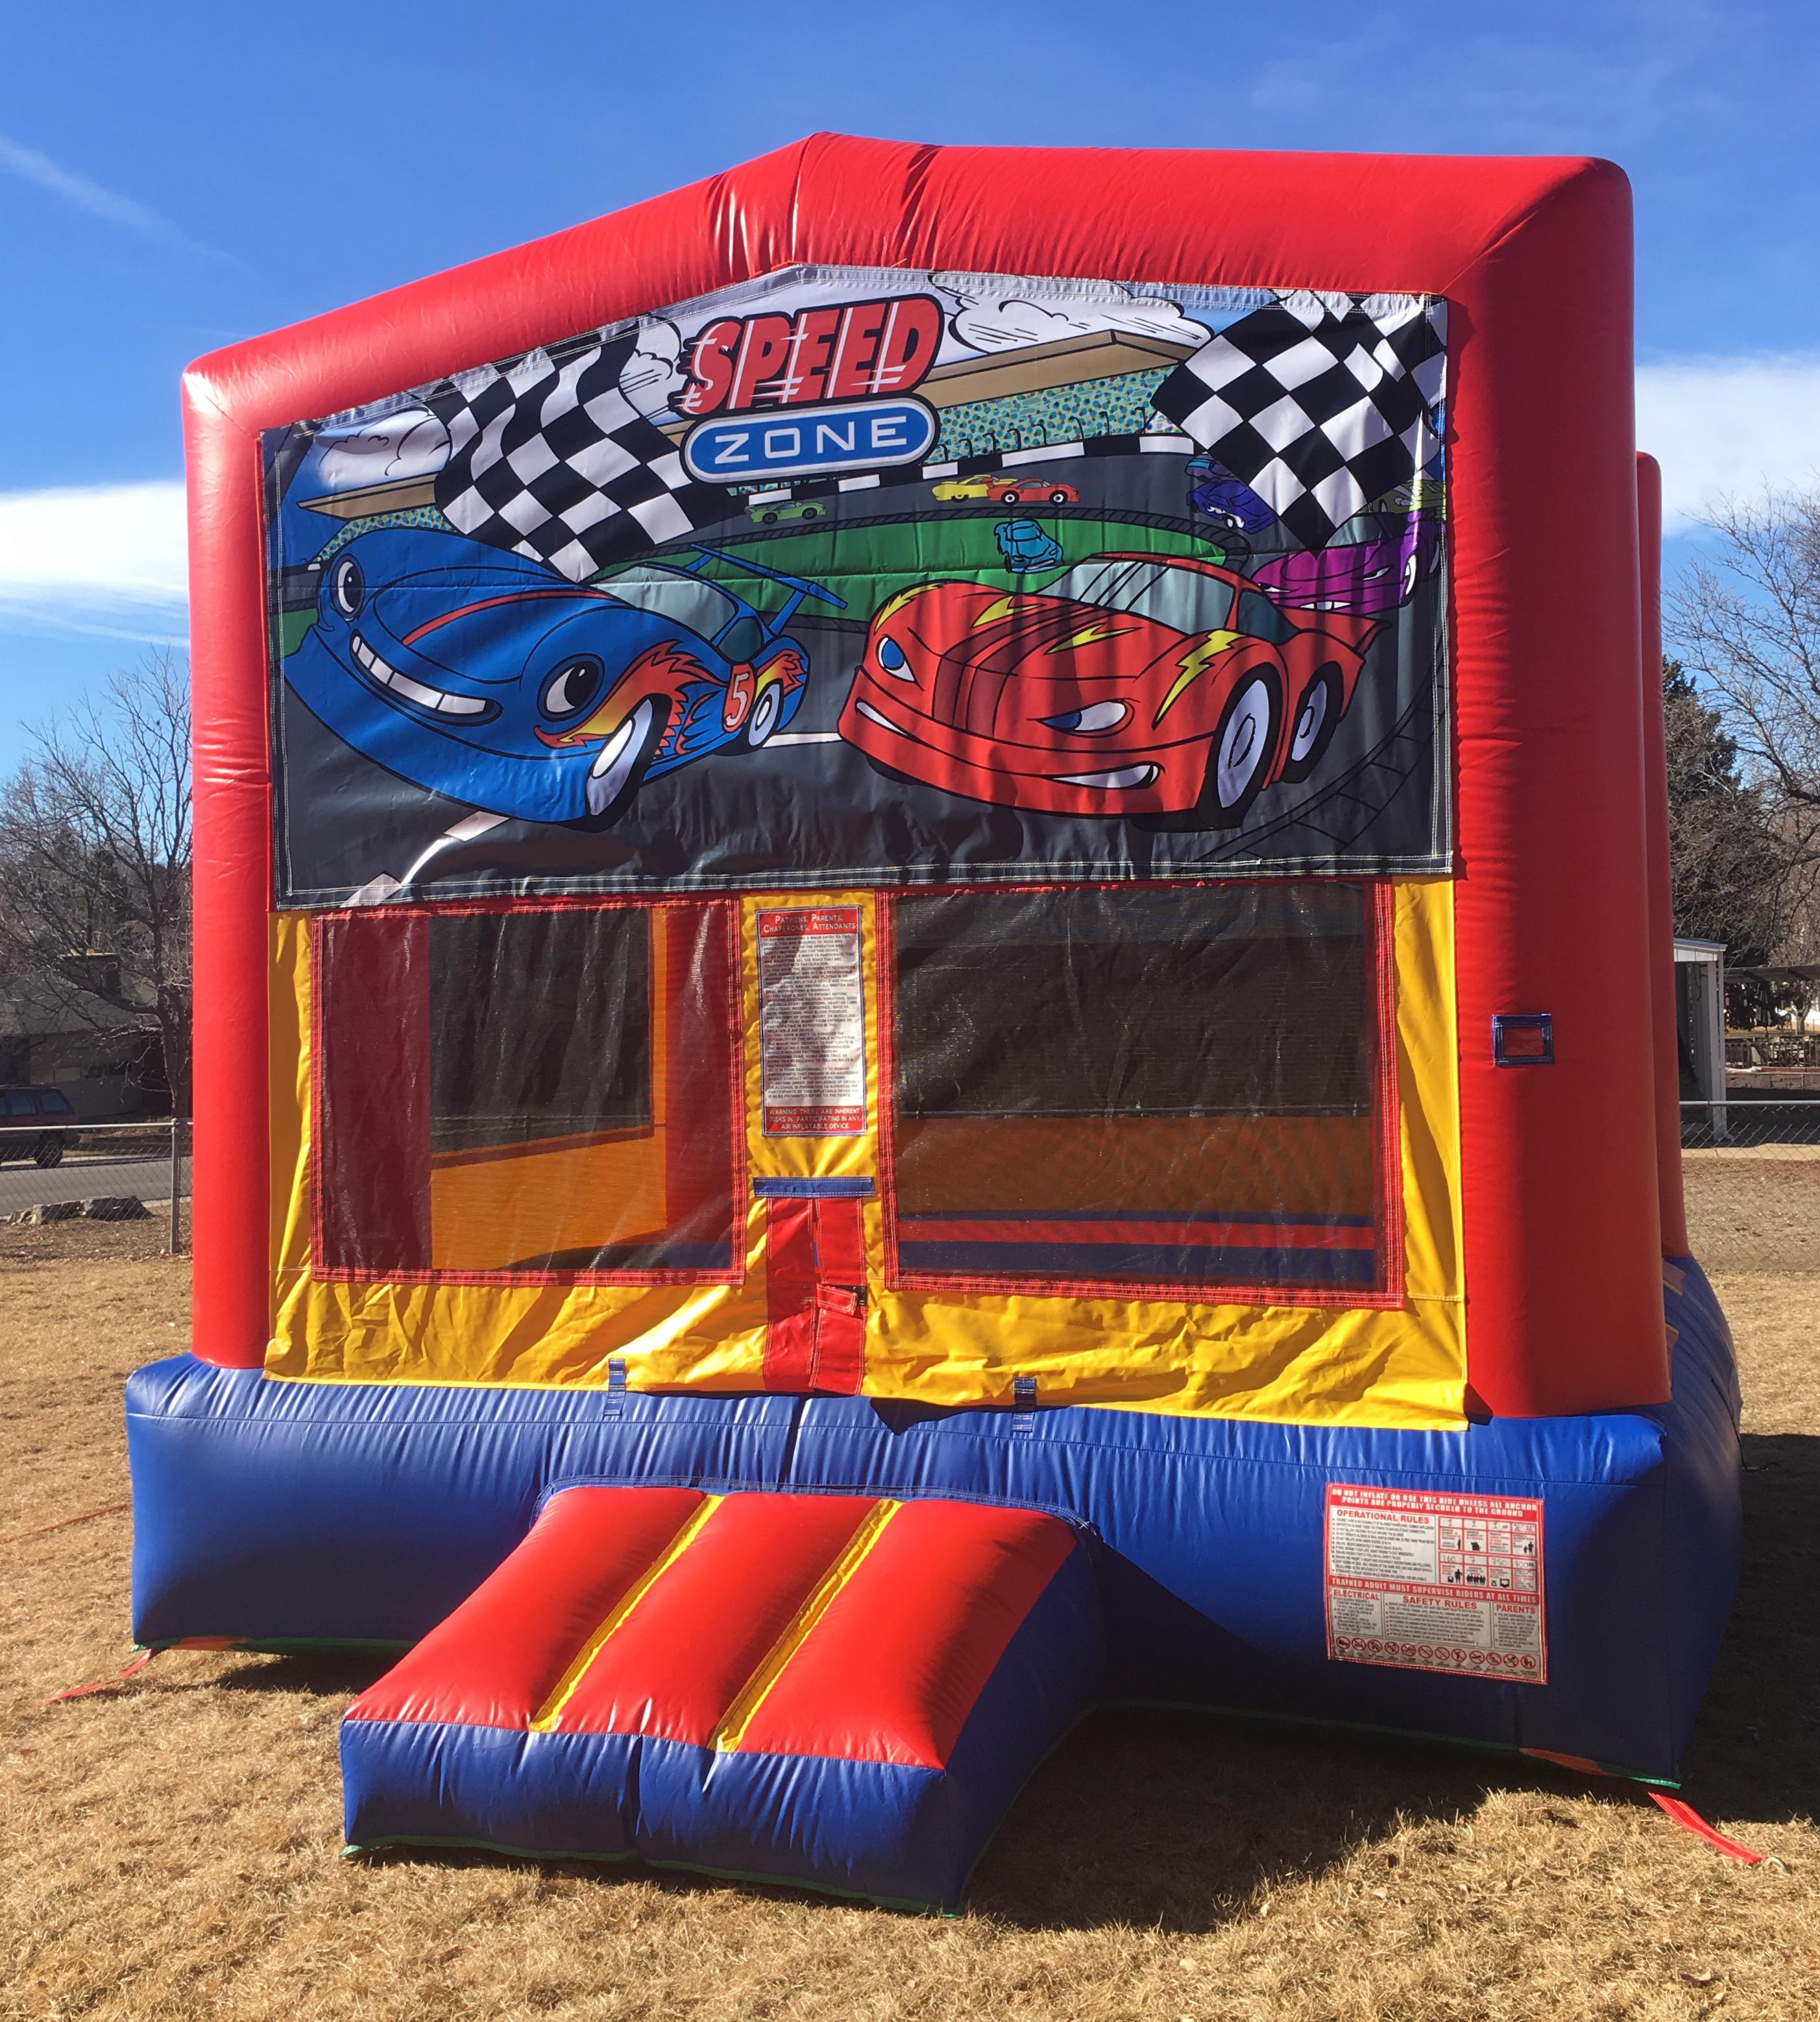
{"x": 271, "y": 1512}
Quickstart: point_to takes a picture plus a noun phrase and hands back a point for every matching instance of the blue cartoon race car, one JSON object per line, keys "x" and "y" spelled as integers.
{"x": 1025, "y": 546}
{"x": 482, "y": 675}
{"x": 1212, "y": 489}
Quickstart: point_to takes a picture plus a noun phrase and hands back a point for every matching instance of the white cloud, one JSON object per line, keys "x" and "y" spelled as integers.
{"x": 654, "y": 370}
{"x": 1729, "y": 426}
{"x": 989, "y": 322}
{"x": 80, "y": 555}
{"x": 145, "y": 223}
{"x": 411, "y": 442}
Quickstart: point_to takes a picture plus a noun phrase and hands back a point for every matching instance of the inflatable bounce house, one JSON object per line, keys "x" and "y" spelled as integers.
{"x": 932, "y": 985}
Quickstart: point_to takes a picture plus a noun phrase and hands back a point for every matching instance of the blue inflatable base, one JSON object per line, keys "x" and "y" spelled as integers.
{"x": 279, "y": 1513}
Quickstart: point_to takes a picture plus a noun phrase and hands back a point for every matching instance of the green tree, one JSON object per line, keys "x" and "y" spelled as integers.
{"x": 1729, "y": 864}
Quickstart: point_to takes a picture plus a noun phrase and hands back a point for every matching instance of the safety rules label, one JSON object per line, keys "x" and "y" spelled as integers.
{"x": 1436, "y": 1582}
{"x": 811, "y": 1022}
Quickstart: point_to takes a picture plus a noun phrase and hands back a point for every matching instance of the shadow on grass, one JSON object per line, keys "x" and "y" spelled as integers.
{"x": 1170, "y": 1820}
{"x": 1755, "y": 1750}
{"x": 320, "y": 1673}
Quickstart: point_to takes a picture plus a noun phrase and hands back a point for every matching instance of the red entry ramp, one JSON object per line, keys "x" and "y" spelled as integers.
{"x": 840, "y": 1691}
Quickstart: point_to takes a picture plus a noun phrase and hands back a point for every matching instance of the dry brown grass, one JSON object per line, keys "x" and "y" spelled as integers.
{"x": 170, "y": 1848}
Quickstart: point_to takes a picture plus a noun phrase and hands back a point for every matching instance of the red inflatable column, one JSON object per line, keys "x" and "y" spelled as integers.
{"x": 230, "y": 1168}
{"x": 1675, "y": 1243}
{"x": 1558, "y": 1178}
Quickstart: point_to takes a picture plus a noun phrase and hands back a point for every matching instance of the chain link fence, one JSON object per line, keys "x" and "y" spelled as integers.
{"x": 99, "y": 1172}
{"x": 120, "y": 1172}
{"x": 1743, "y": 1120}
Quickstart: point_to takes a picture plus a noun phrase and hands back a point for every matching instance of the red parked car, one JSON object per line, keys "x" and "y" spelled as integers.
{"x": 1140, "y": 684}
{"x": 28, "y": 1121}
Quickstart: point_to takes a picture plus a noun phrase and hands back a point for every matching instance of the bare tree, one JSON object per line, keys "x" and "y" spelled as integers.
{"x": 1747, "y": 625}
{"x": 95, "y": 861}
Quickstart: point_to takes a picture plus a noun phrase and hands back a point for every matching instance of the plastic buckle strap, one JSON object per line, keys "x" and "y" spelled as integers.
{"x": 1024, "y": 1407}
{"x": 615, "y": 1403}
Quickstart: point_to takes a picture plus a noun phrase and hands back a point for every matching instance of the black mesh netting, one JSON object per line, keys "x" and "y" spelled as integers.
{"x": 1138, "y": 1086}
{"x": 567, "y": 1054}
{"x": 545, "y": 1091}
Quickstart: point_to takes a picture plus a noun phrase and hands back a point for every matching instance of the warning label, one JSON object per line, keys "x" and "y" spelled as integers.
{"x": 1436, "y": 1582}
{"x": 811, "y": 1022}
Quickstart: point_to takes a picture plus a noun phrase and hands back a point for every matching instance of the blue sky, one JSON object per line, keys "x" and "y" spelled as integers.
{"x": 173, "y": 179}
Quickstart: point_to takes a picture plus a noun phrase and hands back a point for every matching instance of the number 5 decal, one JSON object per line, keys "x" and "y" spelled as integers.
{"x": 739, "y": 697}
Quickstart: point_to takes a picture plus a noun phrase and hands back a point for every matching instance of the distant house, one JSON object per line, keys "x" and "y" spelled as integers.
{"x": 108, "y": 1062}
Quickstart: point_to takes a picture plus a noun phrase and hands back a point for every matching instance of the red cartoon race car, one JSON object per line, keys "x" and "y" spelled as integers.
{"x": 1029, "y": 490}
{"x": 1133, "y": 685}
{"x": 1003, "y": 491}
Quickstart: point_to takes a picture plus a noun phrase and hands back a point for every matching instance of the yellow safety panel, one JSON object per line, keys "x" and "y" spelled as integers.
{"x": 1401, "y": 1367}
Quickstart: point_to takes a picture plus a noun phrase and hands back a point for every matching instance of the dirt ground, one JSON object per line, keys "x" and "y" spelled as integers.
{"x": 168, "y": 1849}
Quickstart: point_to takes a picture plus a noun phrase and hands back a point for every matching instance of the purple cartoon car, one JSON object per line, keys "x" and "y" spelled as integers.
{"x": 1373, "y": 563}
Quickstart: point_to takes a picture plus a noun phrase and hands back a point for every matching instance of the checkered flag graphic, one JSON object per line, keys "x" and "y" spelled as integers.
{"x": 549, "y": 458}
{"x": 1317, "y": 404}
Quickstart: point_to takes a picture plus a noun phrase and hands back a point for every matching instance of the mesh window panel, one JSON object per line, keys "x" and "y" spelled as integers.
{"x": 544, "y": 1093}
{"x": 1177, "y": 1089}
{"x": 540, "y": 1029}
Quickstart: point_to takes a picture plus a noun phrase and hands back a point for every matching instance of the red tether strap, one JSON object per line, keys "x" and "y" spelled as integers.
{"x": 62, "y": 1523}
{"x": 101, "y": 1684}
{"x": 1684, "y": 1815}
{"x": 140, "y": 1663}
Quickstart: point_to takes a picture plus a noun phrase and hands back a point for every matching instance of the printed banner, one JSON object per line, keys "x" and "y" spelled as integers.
{"x": 860, "y": 577}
